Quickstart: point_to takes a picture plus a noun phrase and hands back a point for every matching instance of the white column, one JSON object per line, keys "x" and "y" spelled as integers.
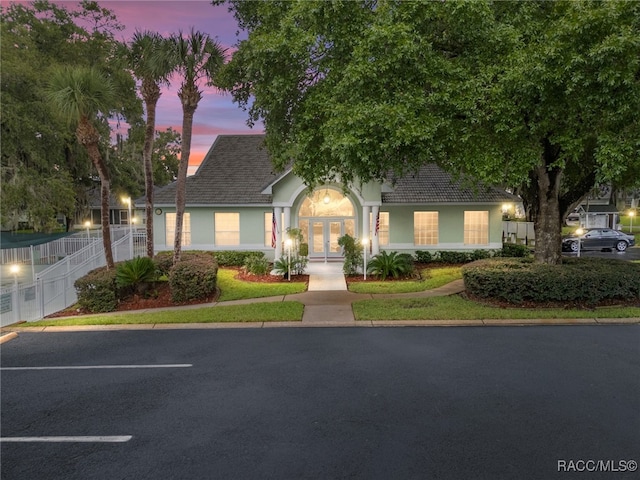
{"x": 287, "y": 219}
{"x": 366, "y": 210}
{"x": 375, "y": 239}
{"x": 278, "y": 213}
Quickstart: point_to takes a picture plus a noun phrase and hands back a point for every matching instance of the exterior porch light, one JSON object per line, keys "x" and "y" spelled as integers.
{"x": 15, "y": 269}
{"x": 288, "y": 243}
{"x": 579, "y": 232}
{"x": 365, "y": 245}
{"x": 127, "y": 202}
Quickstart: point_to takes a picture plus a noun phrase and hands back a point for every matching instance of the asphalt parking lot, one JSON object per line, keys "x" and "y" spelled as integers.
{"x": 377, "y": 403}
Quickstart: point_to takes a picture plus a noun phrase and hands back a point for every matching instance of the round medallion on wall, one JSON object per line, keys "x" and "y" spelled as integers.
{"x": 158, "y": 211}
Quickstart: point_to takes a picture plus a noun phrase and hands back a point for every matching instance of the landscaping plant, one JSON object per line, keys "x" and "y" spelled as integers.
{"x": 392, "y": 264}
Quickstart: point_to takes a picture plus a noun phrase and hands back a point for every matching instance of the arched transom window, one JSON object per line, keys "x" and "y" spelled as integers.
{"x": 326, "y": 203}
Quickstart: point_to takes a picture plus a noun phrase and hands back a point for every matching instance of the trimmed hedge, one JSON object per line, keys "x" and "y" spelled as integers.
{"x": 584, "y": 280}
{"x": 97, "y": 291}
{"x": 235, "y": 258}
{"x": 193, "y": 277}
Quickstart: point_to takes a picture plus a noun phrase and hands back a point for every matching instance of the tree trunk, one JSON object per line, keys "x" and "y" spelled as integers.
{"x": 547, "y": 219}
{"x": 148, "y": 167}
{"x": 105, "y": 192}
{"x": 181, "y": 187}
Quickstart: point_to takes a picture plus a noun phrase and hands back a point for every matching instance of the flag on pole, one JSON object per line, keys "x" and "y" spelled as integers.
{"x": 274, "y": 228}
{"x": 375, "y": 232}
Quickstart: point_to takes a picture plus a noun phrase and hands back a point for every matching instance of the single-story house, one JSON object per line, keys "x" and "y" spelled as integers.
{"x": 599, "y": 216}
{"x": 235, "y": 201}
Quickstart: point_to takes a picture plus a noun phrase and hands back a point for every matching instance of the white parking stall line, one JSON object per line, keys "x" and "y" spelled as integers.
{"x": 91, "y": 367}
{"x": 97, "y": 439}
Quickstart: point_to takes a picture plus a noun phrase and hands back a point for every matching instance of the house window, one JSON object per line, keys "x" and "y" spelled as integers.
{"x": 268, "y": 228}
{"x": 476, "y": 228}
{"x": 170, "y": 229}
{"x": 425, "y": 228}
{"x": 227, "y": 228}
{"x": 383, "y": 227}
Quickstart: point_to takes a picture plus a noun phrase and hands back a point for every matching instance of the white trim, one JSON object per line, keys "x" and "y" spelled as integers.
{"x": 268, "y": 190}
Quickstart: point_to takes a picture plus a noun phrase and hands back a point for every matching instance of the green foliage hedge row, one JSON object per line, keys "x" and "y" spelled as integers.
{"x": 445, "y": 256}
{"x": 193, "y": 277}
{"x": 235, "y": 258}
{"x": 584, "y": 280}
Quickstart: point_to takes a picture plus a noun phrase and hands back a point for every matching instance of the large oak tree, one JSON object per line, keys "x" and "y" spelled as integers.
{"x": 540, "y": 95}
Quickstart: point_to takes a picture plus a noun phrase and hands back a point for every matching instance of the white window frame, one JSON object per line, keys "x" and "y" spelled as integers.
{"x": 426, "y": 225}
{"x": 170, "y": 229}
{"x": 383, "y": 230}
{"x": 226, "y": 230}
{"x": 476, "y": 227}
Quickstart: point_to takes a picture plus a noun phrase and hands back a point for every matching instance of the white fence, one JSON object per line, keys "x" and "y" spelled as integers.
{"x": 53, "y": 290}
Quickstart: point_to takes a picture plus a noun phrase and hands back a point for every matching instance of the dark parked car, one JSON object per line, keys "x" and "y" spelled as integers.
{"x": 598, "y": 239}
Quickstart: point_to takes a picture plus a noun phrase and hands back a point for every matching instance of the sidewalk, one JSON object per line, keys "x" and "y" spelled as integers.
{"x": 323, "y": 307}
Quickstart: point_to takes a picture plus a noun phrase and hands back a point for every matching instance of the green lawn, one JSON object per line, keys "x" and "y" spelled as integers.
{"x": 457, "y": 308}
{"x": 233, "y": 289}
{"x": 254, "y": 312}
{"x": 431, "y": 278}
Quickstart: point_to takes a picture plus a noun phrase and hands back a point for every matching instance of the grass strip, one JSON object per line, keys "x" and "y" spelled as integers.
{"x": 233, "y": 289}
{"x": 431, "y": 278}
{"x": 253, "y": 312}
{"x": 457, "y": 308}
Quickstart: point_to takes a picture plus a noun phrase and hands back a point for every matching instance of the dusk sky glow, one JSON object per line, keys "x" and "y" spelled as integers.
{"x": 216, "y": 113}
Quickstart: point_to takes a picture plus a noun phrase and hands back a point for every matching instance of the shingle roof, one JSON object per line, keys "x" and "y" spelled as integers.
{"x": 431, "y": 184}
{"x": 237, "y": 168}
{"x": 234, "y": 172}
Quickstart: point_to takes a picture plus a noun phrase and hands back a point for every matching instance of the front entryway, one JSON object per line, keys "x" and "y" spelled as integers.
{"x": 323, "y": 217}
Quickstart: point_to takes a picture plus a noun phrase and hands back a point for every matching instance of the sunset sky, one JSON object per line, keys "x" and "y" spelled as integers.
{"x": 216, "y": 113}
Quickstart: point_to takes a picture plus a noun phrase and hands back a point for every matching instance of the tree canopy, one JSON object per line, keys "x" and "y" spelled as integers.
{"x": 543, "y": 96}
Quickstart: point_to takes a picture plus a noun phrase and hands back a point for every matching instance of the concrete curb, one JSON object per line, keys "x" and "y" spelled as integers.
{"x": 7, "y": 337}
{"x": 331, "y": 324}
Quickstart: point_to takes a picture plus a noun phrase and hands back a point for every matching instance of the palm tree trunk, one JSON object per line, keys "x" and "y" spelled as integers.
{"x": 148, "y": 171}
{"x": 181, "y": 187}
{"x": 103, "y": 173}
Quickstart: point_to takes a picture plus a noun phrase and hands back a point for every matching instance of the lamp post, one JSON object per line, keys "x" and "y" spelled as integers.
{"x": 127, "y": 200}
{"x": 631, "y": 214}
{"x": 578, "y": 233}
{"x": 15, "y": 269}
{"x": 365, "y": 245}
{"x": 288, "y": 242}
{"x": 87, "y": 224}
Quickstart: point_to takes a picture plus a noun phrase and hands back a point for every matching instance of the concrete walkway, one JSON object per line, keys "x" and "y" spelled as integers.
{"x": 327, "y": 302}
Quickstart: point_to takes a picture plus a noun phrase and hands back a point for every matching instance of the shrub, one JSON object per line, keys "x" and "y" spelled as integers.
{"x": 479, "y": 255}
{"x": 256, "y": 264}
{"x": 582, "y": 280}
{"x": 281, "y": 267}
{"x": 97, "y": 290}
{"x": 304, "y": 250}
{"x": 392, "y": 264}
{"x": 136, "y": 274}
{"x": 164, "y": 262}
{"x": 514, "y": 250}
{"x": 423, "y": 256}
{"x": 193, "y": 278}
{"x": 234, "y": 258}
{"x": 453, "y": 257}
{"x": 353, "y": 258}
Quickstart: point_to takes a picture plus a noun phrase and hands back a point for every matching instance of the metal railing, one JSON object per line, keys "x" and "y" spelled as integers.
{"x": 53, "y": 288}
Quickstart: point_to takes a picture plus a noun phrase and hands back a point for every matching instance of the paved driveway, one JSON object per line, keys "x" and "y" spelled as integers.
{"x": 631, "y": 254}
{"x": 381, "y": 403}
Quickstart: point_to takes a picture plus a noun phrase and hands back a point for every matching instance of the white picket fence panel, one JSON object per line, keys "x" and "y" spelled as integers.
{"x": 53, "y": 290}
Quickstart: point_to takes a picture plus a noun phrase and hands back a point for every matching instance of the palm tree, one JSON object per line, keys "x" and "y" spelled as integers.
{"x": 149, "y": 58}
{"x": 198, "y": 58}
{"x": 84, "y": 96}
